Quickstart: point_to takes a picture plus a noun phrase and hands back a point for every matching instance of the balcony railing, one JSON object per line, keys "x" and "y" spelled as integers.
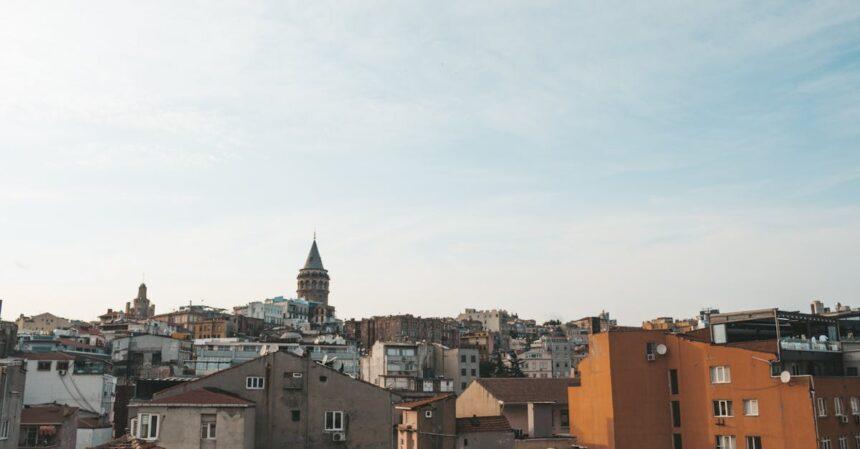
{"x": 799, "y": 344}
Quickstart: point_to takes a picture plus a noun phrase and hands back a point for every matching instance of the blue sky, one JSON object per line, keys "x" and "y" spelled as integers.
{"x": 551, "y": 158}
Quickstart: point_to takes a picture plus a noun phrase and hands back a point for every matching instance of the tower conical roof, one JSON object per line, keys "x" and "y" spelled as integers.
{"x": 314, "y": 261}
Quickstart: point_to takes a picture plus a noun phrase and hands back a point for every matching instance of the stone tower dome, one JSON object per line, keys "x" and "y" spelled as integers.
{"x": 313, "y": 278}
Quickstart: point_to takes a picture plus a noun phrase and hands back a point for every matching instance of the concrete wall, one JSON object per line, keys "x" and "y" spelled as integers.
{"x": 87, "y": 438}
{"x": 476, "y": 401}
{"x": 180, "y": 427}
{"x": 12, "y": 381}
{"x": 368, "y": 410}
{"x": 86, "y": 391}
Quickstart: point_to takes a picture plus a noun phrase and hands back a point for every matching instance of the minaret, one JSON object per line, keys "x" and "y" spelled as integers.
{"x": 313, "y": 278}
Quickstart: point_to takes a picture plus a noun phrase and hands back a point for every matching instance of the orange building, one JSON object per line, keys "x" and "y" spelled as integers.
{"x": 652, "y": 389}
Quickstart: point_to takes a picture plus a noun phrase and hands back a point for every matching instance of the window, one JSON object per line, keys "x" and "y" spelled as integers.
{"x": 462, "y": 371}
{"x": 132, "y": 427}
{"x": 843, "y": 442}
{"x": 254, "y": 383}
{"x": 751, "y": 407}
{"x": 147, "y": 425}
{"x": 463, "y": 358}
{"x": 822, "y": 407}
{"x": 334, "y": 421}
{"x": 62, "y": 366}
{"x": 825, "y": 443}
{"x": 207, "y": 427}
{"x": 462, "y": 385}
{"x": 676, "y": 413}
{"x": 428, "y": 413}
{"x": 44, "y": 366}
{"x": 722, "y": 408}
{"x": 474, "y": 373}
{"x": 837, "y": 407}
{"x": 473, "y": 359}
{"x": 855, "y": 405}
{"x": 296, "y": 415}
{"x": 721, "y": 374}
{"x": 676, "y": 441}
{"x": 857, "y": 440}
{"x": 30, "y": 437}
{"x": 753, "y": 442}
{"x": 725, "y": 442}
{"x": 673, "y": 381}
{"x": 4, "y": 429}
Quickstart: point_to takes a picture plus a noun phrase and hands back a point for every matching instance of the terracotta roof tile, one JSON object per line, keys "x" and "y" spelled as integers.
{"x": 128, "y": 442}
{"x": 201, "y": 396}
{"x": 483, "y": 424}
{"x": 422, "y": 402}
{"x": 46, "y": 414}
{"x": 45, "y": 356}
{"x": 523, "y": 390}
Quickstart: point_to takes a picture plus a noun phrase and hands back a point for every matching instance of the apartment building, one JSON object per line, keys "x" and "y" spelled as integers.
{"x": 78, "y": 381}
{"x": 43, "y": 323}
{"x": 49, "y": 425}
{"x": 491, "y": 320}
{"x": 404, "y": 367}
{"x": 149, "y": 356}
{"x": 461, "y": 365}
{"x": 404, "y": 328}
{"x": 271, "y": 313}
{"x": 548, "y": 357}
{"x": 757, "y": 379}
{"x": 296, "y": 403}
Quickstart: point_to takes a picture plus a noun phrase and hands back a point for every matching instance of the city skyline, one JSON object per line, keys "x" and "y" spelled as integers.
{"x": 553, "y": 160}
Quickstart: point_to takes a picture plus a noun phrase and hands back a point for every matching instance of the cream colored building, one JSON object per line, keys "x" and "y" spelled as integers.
{"x": 43, "y": 323}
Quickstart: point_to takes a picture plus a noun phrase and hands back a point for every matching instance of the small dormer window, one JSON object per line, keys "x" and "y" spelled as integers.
{"x": 428, "y": 414}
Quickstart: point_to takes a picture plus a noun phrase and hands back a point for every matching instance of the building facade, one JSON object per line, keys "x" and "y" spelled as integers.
{"x": 43, "y": 323}
{"x": 300, "y": 403}
{"x": 12, "y": 382}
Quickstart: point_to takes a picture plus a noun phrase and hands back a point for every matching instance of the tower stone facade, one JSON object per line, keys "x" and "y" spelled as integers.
{"x": 140, "y": 307}
{"x": 313, "y": 279}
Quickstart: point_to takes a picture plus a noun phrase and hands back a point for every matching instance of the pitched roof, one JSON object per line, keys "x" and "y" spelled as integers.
{"x": 483, "y": 424}
{"x": 421, "y": 402}
{"x": 46, "y": 414}
{"x": 128, "y": 442}
{"x": 46, "y": 356}
{"x": 201, "y": 397}
{"x": 525, "y": 389}
{"x": 314, "y": 261}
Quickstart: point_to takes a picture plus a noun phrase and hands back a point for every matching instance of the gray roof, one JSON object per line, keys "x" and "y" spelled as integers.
{"x": 314, "y": 261}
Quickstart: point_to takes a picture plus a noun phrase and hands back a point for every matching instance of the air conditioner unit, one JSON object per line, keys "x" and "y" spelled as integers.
{"x": 339, "y": 436}
{"x": 650, "y": 357}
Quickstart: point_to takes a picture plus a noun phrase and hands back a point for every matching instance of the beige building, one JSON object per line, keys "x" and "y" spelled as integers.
{"x": 461, "y": 365}
{"x": 43, "y": 323}
{"x": 204, "y": 418}
{"x": 491, "y": 320}
{"x": 427, "y": 423}
{"x": 535, "y": 408}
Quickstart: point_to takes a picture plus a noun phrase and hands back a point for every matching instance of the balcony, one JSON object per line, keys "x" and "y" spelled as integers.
{"x": 798, "y": 344}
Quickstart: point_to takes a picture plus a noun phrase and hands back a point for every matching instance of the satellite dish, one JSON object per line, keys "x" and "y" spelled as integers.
{"x": 661, "y": 349}
{"x": 785, "y": 377}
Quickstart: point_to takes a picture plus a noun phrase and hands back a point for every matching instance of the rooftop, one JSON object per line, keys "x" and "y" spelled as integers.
{"x": 47, "y": 414}
{"x": 209, "y": 397}
{"x": 421, "y": 402}
{"x": 483, "y": 424}
{"x": 524, "y": 390}
{"x": 128, "y": 442}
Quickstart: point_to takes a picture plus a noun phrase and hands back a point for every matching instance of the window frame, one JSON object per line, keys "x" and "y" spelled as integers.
{"x": 753, "y": 442}
{"x": 821, "y": 407}
{"x": 334, "y": 415}
{"x": 838, "y": 406}
{"x": 41, "y": 363}
{"x": 255, "y": 383}
{"x": 723, "y": 408}
{"x": 150, "y": 434}
{"x": 748, "y": 406}
{"x": 209, "y": 430}
{"x": 725, "y": 442}
{"x": 721, "y": 374}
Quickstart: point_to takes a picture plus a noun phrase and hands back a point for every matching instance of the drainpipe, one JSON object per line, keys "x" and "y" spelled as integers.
{"x": 814, "y": 409}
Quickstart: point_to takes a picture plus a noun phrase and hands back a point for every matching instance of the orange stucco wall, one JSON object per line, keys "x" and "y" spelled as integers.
{"x": 624, "y": 400}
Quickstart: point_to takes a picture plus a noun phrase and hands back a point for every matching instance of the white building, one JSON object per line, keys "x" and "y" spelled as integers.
{"x": 404, "y": 366}
{"x": 76, "y": 381}
{"x": 215, "y": 354}
{"x": 461, "y": 365}
{"x": 271, "y": 313}
{"x": 548, "y": 358}
{"x": 492, "y": 320}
